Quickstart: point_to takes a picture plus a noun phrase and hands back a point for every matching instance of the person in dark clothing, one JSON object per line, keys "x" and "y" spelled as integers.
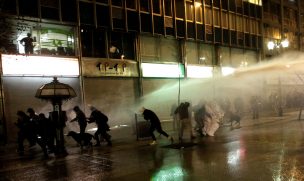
{"x": 49, "y": 132}
{"x": 101, "y": 121}
{"x": 27, "y": 42}
{"x": 155, "y": 125}
{"x": 33, "y": 120}
{"x": 255, "y": 107}
{"x": 22, "y": 123}
{"x": 185, "y": 121}
{"x": 42, "y": 132}
{"x": 81, "y": 118}
{"x": 199, "y": 115}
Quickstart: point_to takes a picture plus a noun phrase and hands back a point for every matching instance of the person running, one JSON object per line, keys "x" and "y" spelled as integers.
{"x": 155, "y": 125}
{"x": 81, "y": 118}
{"x": 101, "y": 121}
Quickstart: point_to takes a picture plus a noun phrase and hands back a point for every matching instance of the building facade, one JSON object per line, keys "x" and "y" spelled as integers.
{"x": 127, "y": 50}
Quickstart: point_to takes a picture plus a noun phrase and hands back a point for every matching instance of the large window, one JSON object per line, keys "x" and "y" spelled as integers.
{"x": 93, "y": 43}
{"x": 225, "y": 20}
{"x": 216, "y": 18}
{"x": 179, "y": 9}
{"x": 156, "y": 6}
{"x": 99, "y": 43}
{"x": 208, "y": 19}
{"x": 246, "y": 25}
{"x": 49, "y": 9}
{"x": 232, "y": 21}
{"x": 198, "y": 11}
{"x": 69, "y": 10}
{"x": 159, "y": 49}
{"x": 192, "y": 53}
{"x": 168, "y": 7}
{"x": 257, "y": 2}
{"x": 206, "y": 54}
{"x": 86, "y": 13}
{"x": 239, "y": 23}
{"x": 131, "y": 4}
{"x": 50, "y": 40}
{"x": 121, "y": 45}
{"x": 144, "y": 5}
{"x": 189, "y": 11}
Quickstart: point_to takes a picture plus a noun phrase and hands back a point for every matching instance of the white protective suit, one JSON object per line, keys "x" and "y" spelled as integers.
{"x": 212, "y": 118}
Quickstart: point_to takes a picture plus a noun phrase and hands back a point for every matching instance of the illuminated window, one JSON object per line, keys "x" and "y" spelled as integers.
{"x": 208, "y": 2}
{"x": 192, "y": 53}
{"x": 217, "y": 20}
{"x": 232, "y": 21}
{"x": 51, "y": 40}
{"x": 246, "y": 25}
{"x": 206, "y": 54}
{"x": 256, "y": 2}
{"x": 162, "y": 70}
{"x": 189, "y": 11}
{"x": 239, "y": 23}
{"x": 208, "y": 19}
{"x": 198, "y": 12}
{"x": 20, "y": 65}
{"x": 225, "y": 20}
{"x": 159, "y": 49}
{"x": 199, "y": 71}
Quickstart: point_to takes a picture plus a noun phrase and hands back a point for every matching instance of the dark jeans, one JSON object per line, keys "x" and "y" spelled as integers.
{"x": 158, "y": 129}
{"x": 82, "y": 128}
{"x": 21, "y": 138}
{"x": 104, "y": 134}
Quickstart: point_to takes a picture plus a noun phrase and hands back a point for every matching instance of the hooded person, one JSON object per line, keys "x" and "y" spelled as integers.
{"x": 155, "y": 125}
{"x": 81, "y": 119}
{"x": 101, "y": 121}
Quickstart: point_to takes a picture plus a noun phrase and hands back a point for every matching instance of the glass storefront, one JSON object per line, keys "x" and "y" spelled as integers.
{"x": 44, "y": 39}
{"x": 50, "y": 40}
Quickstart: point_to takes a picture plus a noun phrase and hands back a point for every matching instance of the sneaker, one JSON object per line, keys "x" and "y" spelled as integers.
{"x": 153, "y": 143}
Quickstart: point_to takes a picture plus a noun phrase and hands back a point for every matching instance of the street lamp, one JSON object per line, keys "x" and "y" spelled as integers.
{"x": 56, "y": 92}
{"x": 277, "y": 44}
{"x": 285, "y": 43}
{"x": 270, "y": 45}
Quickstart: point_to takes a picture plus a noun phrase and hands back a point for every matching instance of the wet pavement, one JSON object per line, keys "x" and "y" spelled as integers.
{"x": 269, "y": 150}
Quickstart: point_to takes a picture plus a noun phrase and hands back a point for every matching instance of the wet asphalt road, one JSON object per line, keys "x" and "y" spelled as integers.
{"x": 270, "y": 151}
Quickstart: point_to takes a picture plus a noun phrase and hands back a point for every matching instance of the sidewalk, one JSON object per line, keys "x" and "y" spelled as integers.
{"x": 287, "y": 116}
{"x": 129, "y": 159}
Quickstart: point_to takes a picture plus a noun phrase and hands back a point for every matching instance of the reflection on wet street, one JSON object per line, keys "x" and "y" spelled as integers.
{"x": 272, "y": 151}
